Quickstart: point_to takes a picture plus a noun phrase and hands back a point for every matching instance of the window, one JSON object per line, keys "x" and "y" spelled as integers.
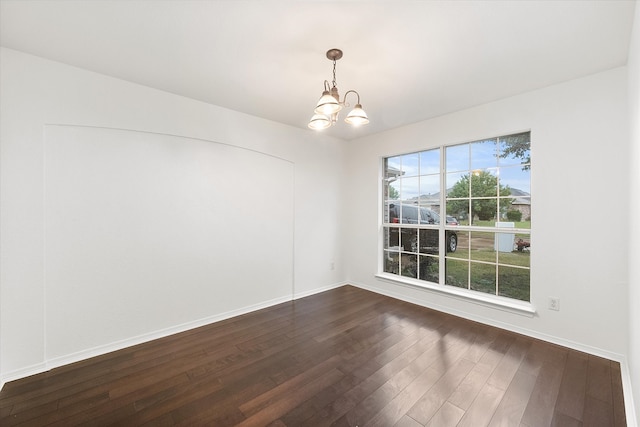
{"x": 460, "y": 216}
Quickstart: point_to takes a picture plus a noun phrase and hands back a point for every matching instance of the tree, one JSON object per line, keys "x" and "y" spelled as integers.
{"x": 483, "y": 184}
{"x": 518, "y": 146}
{"x": 393, "y": 193}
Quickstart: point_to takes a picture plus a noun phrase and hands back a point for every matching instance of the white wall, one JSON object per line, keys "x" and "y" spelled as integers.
{"x": 580, "y": 166}
{"x": 579, "y": 134}
{"x": 144, "y": 232}
{"x": 39, "y": 99}
{"x": 634, "y": 197}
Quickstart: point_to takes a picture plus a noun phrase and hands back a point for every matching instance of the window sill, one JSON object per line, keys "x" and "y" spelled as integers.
{"x": 492, "y": 301}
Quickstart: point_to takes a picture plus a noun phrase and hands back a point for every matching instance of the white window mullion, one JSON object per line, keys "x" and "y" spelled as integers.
{"x": 442, "y": 252}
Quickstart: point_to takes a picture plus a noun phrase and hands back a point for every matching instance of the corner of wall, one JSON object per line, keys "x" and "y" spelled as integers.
{"x": 633, "y": 70}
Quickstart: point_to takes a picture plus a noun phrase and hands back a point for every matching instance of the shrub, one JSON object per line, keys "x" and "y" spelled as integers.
{"x": 514, "y": 215}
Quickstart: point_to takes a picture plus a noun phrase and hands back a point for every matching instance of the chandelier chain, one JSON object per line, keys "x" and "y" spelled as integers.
{"x": 334, "y": 73}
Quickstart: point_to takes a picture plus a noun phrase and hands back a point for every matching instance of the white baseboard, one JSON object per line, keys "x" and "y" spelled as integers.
{"x": 304, "y": 294}
{"x": 627, "y": 388}
{"x": 23, "y": 373}
{"x": 129, "y": 342}
{"x": 56, "y": 362}
{"x": 624, "y": 367}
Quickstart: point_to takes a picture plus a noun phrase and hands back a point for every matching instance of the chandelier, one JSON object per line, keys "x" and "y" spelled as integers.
{"x": 329, "y": 105}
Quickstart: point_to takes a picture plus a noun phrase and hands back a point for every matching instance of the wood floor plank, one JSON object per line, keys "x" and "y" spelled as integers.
{"x": 367, "y": 388}
{"x": 510, "y": 363}
{"x": 407, "y": 421}
{"x": 343, "y": 357}
{"x": 422, "y": 400}
{"x": 467, "y": 391}
{"x": 448, "y": 415}
{"x": 483, "y": 407}
{"x": 541, "y": 406}
{"x": 573, "y": 388}
{"x": 512, "y": 406}
{"x": 281, "y": 391}
{"x": 599, "y": 379}
{"x": 597, "y": 413}
{"x": 563, "y": 420}
{"x": 415, "y": 360}
{"x": 286, "y": 403}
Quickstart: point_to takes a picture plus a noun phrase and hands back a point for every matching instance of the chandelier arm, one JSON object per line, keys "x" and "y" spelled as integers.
{"x": 344, "y": 99}
{"x": 326, "y": 85}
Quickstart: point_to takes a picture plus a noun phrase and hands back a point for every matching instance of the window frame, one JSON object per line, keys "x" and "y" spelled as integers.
{"x": 507, "y": 303}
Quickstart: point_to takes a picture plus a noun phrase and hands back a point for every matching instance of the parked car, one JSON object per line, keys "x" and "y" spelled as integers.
{"x": 410, "y": 239}
{"x": 451, "y": 220}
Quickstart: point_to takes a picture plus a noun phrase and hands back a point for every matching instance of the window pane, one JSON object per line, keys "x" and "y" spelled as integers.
{"x": 429, "y": 242}
{"x": 504, "y": 242}
{"x": 390, "y": 236}
{"x": 484, "y": 183}
{"x": 392, "y": 212}
{"x": 393, "y": 167}
{"x": 514, "y": 282}
{"x": 520, "y": 256}
{"x": 483, "y": 212}
{"x": 410, "y": 214}
{"x": 409, "y": 239}
{"x": 430, "y": 162}
{"x": 483, "y": 277}
{"x": 409, "y": 265}
{"x": 391, "y": 262}
{"x": 484, "y": 154}
{"x": 482, "y": 246}
{"x": 410, "y": 164}
{"x": 429, "y": 216}
{"x": 462, "y": 244}
{"x": 508, "y": 212}
{"x": 515, "y": 149}
{"x": 392, "y": 190}
{"x": 519, "y": 211}
{"x": 517, "y": 179}
{"x": 410, "y": 189}
{"x": 429, "y": 268}
{"x": 457, "y": 273}
{"x": 429, "y": 190}
{"x": 459, "y": 209}
{"x": 457, "y": 158}
{"x": 457, "y": 185}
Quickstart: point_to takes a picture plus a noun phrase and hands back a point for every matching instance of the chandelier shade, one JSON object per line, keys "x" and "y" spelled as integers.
{"x": 319, "y": 122}
{"x": 357, "y": 116}
{"x": 329, "y": 104}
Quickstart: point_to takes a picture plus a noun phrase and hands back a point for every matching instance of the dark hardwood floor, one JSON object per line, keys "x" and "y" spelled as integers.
{"x": 346, "y": 357}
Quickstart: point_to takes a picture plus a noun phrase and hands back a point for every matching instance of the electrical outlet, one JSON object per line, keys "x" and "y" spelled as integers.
{"x": 554, "y": 303}
{"x": 332, "y": 265}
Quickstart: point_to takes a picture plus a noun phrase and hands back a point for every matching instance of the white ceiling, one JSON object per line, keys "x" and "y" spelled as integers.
{"x": 409, "y": 60}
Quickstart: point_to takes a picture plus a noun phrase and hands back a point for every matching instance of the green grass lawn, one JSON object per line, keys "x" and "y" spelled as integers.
{"x": 510, "y": 281}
